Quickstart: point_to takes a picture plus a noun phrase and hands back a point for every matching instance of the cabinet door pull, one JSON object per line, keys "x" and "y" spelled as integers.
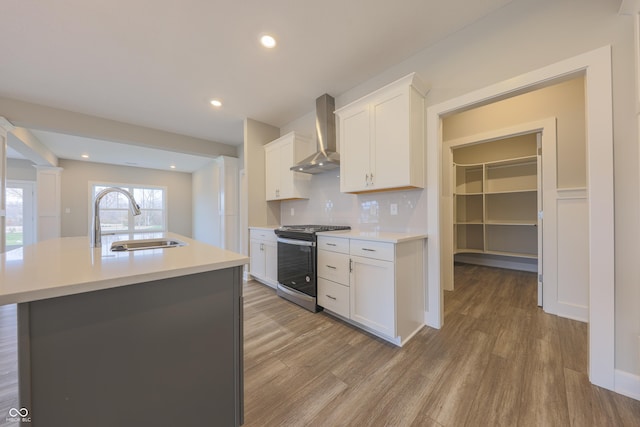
{"x": 371, "y": 179}
{"x": 330, "y": 297}
{"x": 331, "y": 267}
{"x": 368, "y": 250}
{"x": 350, "y": 267}
{"x": 366, "y": 180}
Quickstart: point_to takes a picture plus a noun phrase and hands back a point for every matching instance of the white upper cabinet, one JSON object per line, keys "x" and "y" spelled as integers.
{"x": 382, "y": 139}
{"x": 282, "y": 183}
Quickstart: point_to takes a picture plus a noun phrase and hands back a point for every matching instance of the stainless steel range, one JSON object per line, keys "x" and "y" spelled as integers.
{"x": 297, "y": 259}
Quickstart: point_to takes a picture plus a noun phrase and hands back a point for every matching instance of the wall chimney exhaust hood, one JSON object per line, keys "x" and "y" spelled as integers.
{"x": 326, "y": 158}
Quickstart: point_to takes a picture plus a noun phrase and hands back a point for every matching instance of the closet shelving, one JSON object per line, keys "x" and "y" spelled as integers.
{"x": 496, "y": 207}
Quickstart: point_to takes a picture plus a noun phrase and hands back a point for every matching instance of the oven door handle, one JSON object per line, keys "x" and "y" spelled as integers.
{"x": 295, "y": 242}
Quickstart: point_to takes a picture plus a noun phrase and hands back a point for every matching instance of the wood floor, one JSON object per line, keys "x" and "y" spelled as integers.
{"x": 498, "y": 361}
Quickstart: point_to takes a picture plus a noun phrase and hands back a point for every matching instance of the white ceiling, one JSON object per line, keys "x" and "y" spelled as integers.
{"x": 157, "y": 63}
{"x": 73, "y": 147}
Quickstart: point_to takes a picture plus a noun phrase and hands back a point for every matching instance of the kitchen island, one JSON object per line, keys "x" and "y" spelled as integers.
{"x": 147, "y": 337}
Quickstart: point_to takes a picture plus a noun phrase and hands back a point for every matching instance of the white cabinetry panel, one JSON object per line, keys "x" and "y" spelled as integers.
{"x": 263, "y": 253}
{"x": 333, "y": 297}
{"x": 281, "y": 183}
{"x": 333, "y": 266}
{"x": 373, "y": 294}
{"x": 382, "y": 139}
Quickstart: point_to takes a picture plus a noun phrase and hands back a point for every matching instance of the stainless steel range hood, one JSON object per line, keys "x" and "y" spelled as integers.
{"x": 326, "y": 158}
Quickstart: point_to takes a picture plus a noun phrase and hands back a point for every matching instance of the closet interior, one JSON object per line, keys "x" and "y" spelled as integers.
{"x": 496, "y": 199}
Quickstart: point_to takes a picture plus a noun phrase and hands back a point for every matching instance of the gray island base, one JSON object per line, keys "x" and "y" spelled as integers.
{"x": 160, "y": 353}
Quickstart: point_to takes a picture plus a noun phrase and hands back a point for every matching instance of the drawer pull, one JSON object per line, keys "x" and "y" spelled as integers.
{"x": 330, "y": 244}
{"x": 330, "y": 297}
{"x": 331, "y": 267}
{"x": 368, "y": 250}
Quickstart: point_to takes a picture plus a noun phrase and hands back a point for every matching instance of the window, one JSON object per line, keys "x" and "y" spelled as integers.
{"x": 115, "y": 216}
{"x": 19, "y": 222}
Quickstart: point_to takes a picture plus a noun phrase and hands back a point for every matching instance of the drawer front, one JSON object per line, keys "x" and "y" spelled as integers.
{"x": 333, "y": 266}
{"x": 268, "y": 235}
{"x": 334, "y": 244}
{"x": 333, "y": 297}
{"x": 370, "y": 249}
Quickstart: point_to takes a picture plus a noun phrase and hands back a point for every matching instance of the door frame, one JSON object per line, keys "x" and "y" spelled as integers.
{"x": 595, "y": 66}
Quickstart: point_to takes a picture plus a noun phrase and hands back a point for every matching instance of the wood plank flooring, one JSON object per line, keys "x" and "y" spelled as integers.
{"x": 498, "y": 361}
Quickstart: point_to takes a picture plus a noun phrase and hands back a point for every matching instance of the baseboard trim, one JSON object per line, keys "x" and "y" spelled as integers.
{"x": 431, "y": 320}
{"x": 627, "y": 384}
{"x": 510, "y": 264}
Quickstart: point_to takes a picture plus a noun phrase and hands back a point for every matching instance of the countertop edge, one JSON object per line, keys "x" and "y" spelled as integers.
{"x": 22, "y": 284}
{"x": 380, "y": 236}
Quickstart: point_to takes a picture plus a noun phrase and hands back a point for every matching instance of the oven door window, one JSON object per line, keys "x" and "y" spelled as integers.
{"x": 297, "y": 267}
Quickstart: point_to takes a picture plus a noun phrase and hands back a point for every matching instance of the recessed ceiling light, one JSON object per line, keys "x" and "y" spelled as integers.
{"x": 268, "y": 41}
{"x": 84, "y": 156}
{"x": 172, "y": 166}
{"x": 216, "y": 103}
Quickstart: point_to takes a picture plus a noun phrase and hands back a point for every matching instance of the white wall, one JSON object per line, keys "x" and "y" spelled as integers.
{"x": 523, "y": 36}
{"x": 256, "y": 135}
{"x": 21, "y": 170}
{"x": 75, "y": 193}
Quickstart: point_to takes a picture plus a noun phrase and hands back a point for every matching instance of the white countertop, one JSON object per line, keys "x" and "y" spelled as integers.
{"x": 67, "y": 266}
{"x": 377, "y": 236}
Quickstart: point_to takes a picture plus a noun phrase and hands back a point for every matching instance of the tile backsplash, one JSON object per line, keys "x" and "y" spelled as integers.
{"x": 366, "y": 212}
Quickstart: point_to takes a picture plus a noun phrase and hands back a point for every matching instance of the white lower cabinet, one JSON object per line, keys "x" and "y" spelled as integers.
{"x": 373, "y": 294}
{"x": 333, "y": 297}
{"x": 333, "y": 275}
{"x": 377, "y": 286}
{"x": 263, "y": 254}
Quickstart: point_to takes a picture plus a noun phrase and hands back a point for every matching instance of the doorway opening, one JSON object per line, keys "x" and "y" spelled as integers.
{"x": 595, "y": 66}
{"x": 496, "y": 196}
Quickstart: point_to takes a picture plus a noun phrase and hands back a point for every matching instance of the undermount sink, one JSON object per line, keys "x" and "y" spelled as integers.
{"x": 136, "y": 245}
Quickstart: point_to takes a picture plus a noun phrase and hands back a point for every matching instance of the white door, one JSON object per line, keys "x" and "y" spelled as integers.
{"x": 285, "y": 187}
{"x": 271, "y": 261}
{"x": 373, "y": 294}
{"x": 20, "y": 219}
{"x": 354, "y": 149}
{"x": 389, "y": 157}
{"x": 272, "y": 169}
{"x": 258, "y": 267}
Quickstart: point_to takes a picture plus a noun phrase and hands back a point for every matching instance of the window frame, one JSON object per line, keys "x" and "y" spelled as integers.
{"x": 131, "y": 219}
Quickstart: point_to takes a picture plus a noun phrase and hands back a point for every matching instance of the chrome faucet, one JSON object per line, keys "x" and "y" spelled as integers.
{"x": 96, "y": 237}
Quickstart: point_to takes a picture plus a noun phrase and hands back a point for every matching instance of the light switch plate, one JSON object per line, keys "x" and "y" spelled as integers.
{"x": 394, "y": 209}
{"x": 292, "y": 212}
